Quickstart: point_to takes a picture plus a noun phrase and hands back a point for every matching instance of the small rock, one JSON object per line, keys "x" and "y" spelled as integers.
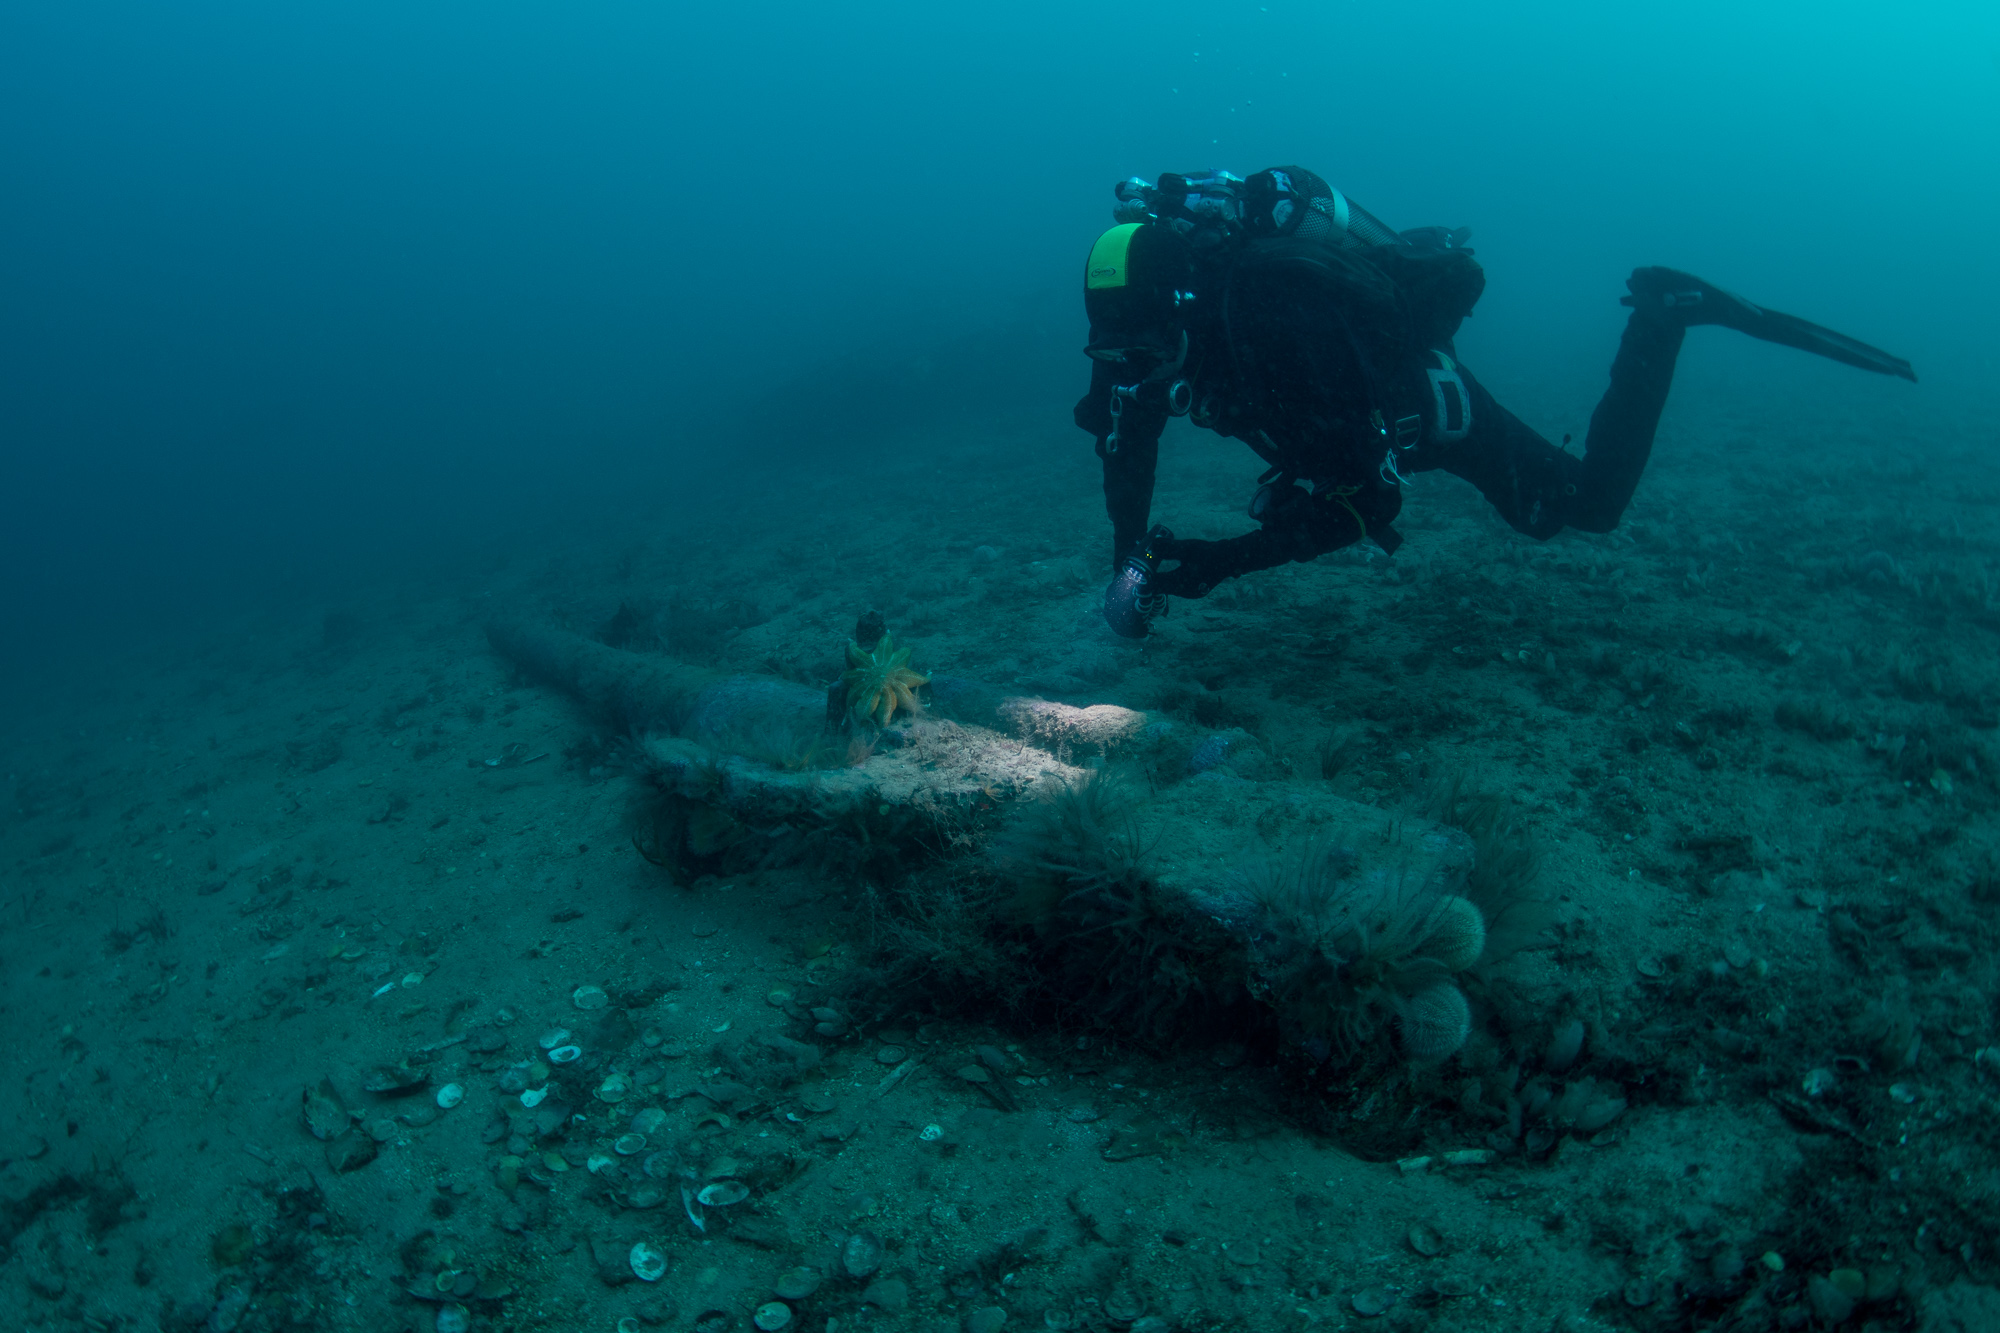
{"x": 986, "y": 1319}
{"x": 44, "y": 1278}
{"x": 1372, "y": 1301}
{"x": 350, "y": 1152}
{"x": 613, "y": 1266}
{"x": 887, "y": 1293}
{"x": 795, "y": 1284}
{"x": 1828, "y": 1301}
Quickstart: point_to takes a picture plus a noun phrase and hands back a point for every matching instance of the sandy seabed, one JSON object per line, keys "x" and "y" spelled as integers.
{"x": 342, "y": 845}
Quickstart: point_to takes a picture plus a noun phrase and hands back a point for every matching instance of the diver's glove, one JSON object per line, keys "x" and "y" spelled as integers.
{"x": 1682, "y": 298}
{"x": 1131, "y": 603}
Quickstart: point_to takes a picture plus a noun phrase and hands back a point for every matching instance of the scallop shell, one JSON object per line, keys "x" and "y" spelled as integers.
{"x": 614, "y": 1088}
{"x": 723, "y": 1193}
{"x": 862, "y": 1254}
{"x": 450, "y": 1095}
{"x": 648, "y": 1264}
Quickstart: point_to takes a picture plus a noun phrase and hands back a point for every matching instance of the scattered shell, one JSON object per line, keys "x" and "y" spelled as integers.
{"x": 646, "y": 1194}
{"x": 722, "y": 1168}
{"x": 975, "y": 1074}
{"x": 553, "y": 1038}
{"x": 629, "y": 1144}
{"x": 652, "y": 1036}
{"x": 533, "y": 1096}
{"x": 1818, "y": 1082}
{"x": 796, "y": 1284}
{"x": 772, "y": 1316}
{"x": 418, "y": 1116}
{"x": 862, "y": 1254}
{"x": 1425, "y": 1240}
{"x": 1737, "y": 954}
{"x": 1372, "y": 1301}
{"x": 1649, "y": 966}
{"x": 597, "y": 1161}
{"x": 562, "y": 1055}
{"x": 890, "y": 1055}
{"x": 1564, "y": 1046}
{"x": 324, "y": 1115}
{"x": 450, "y": 1095}
{"x": 382, "y": 1131}
{"x": 590, "y": 997}
{"x": 1122, "y": 1306}
{"x": 555, "y": 1161}
{"x": 628, "y": 1324}
{"x": 411, "y": 979}
{"x": 1058, "y": 1321}
{"x": 648, "y": 1264}
{"x": 1640, "y": 1293}
{"x": 614, "y": 1088}
{"x": 930, "y": 1133}
{"x": 779, "y": 998}
{"x": 453, "y": 1319}
{"x": 394, "y": 1078}
{"x": 723, "y": 1193}
{"x": 648, "y": 1120}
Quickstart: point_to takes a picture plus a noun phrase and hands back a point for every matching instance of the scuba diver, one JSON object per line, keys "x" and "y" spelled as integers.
{"x": 1278, "y": 311}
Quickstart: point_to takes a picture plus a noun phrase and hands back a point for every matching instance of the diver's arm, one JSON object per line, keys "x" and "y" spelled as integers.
{"x": 1129, "y": 460}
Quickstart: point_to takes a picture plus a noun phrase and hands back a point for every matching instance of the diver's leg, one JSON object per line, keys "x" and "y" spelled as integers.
{"x": 1623, "y": 426}
{"x": 1539, "y": 489}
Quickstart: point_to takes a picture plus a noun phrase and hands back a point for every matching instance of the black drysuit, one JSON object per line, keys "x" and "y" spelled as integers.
{"x": 1315, "y": 359}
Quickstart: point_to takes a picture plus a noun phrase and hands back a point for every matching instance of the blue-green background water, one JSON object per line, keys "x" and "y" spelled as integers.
{"x": 292, "y": 293}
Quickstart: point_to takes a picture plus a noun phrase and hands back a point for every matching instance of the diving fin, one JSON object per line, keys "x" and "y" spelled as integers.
{"x": 1688, "y": 300}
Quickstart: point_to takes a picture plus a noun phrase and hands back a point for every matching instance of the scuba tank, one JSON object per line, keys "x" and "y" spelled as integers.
{"x": 1397, "y": 298}
{"x": 1214, "y": 206}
